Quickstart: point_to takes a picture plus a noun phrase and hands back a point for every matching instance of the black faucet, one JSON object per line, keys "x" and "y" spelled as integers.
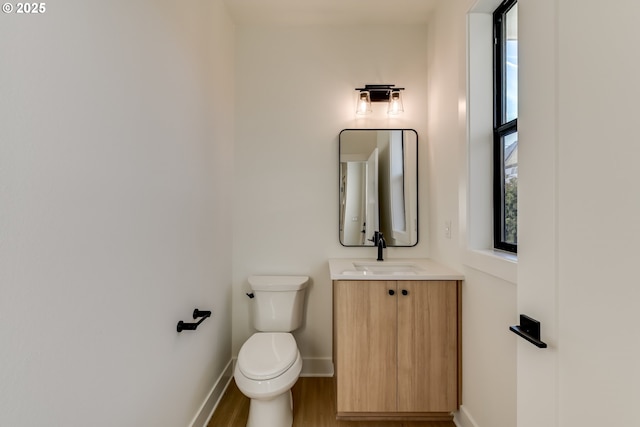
{"x": 378, "y": 240}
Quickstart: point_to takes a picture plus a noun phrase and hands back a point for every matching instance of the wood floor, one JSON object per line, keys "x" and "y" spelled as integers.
{"x": 314, "y": 406}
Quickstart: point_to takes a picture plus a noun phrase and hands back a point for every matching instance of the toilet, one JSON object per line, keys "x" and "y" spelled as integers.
{"x": 269, "y": 362}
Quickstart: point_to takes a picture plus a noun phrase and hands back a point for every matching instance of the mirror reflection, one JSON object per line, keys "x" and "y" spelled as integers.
{"x": 378, "y": 186}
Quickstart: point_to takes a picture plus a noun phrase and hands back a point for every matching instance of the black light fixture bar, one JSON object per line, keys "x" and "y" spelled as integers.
{"x": 379, "y": 92}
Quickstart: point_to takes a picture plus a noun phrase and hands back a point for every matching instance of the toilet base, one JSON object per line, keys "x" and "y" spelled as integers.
{"x": 277, "y": 412}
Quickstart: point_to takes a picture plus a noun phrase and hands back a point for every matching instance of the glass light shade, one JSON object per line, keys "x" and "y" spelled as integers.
{"x": 364, "y": 103}
{"x": 395, "y": 103}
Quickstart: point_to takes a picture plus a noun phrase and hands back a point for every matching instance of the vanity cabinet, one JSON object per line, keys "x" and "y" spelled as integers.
{"x": 396, "y": 348}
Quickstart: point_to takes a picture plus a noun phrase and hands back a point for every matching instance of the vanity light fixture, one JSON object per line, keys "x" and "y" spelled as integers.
{"x": 379, "y": 93}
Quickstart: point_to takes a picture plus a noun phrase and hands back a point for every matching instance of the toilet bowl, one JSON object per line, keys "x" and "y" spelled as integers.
{"x": 268, "y": 365}
{"x": 269, "y": 362}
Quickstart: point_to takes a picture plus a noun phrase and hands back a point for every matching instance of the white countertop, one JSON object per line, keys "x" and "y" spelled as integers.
{"x": 391, "y": 269}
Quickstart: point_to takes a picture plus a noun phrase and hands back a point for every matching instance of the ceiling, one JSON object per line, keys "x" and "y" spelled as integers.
{"x": 330, "y": 12}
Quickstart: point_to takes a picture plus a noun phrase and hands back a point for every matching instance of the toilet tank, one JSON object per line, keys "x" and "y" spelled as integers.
{"x": 278, "y": 303}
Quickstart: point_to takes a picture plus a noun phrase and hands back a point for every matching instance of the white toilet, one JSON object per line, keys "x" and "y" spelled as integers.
{"x": 269, "y": 362}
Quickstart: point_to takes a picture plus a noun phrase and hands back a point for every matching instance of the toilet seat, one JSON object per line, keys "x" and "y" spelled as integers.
{"x": 266, "y": 355}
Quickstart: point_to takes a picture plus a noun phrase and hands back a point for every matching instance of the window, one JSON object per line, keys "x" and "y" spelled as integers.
{"x": 505, "y": 130}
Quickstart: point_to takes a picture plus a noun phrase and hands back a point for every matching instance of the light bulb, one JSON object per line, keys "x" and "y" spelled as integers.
{"x": 364, "y": 103}
{"x": 395, "y": 103}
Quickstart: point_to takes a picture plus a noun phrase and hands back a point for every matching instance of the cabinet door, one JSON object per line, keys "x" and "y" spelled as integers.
{"x": 365, "y": 316}
{"x": 427, "y": 346}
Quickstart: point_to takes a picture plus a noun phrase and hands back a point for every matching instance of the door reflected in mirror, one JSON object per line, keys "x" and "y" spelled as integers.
{"x": 378, "y": 186}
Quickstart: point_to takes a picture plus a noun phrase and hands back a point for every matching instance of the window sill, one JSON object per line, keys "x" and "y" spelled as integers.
{"x": 500, "y": 264}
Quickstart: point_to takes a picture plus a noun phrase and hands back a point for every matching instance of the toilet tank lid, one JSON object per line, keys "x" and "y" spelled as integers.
{"x": 278, "y": 283}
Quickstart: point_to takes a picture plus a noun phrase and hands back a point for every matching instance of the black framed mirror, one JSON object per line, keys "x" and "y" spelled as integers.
{"x": 378, "y": 186}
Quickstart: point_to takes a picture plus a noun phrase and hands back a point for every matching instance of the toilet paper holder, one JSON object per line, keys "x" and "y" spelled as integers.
{"x": 202, "y": 314}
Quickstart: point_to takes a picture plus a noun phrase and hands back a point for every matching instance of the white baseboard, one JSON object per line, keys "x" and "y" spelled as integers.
{"x": 317, "y": 367}
{"x": 211, "y": 402}
{"x": 462, "y": 418}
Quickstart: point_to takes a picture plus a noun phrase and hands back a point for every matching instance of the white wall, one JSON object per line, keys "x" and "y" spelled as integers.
{"x": 488, "y": 298}
{"x": 295, "y": 93}
{"x": 115, "y": 211}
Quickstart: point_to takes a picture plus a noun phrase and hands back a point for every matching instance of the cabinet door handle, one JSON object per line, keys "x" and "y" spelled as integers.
{"x": 405, "y": 292}
{"x": 392, "y": 292}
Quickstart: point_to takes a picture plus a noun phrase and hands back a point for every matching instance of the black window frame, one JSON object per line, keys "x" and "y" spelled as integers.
{"x": 500, "y": 126}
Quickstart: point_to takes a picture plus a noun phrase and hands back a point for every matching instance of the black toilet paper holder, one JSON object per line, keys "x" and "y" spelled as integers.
{"x": 202, "y": 314}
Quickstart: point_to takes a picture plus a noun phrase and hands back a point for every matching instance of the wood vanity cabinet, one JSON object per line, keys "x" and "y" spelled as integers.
{"x": 396, "y": 348}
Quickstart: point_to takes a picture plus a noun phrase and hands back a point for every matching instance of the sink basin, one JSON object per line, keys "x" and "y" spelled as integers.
{"x": 387, "y": 268}
{"x": 392, "y": 269}
{"x": 382, "y": 269}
